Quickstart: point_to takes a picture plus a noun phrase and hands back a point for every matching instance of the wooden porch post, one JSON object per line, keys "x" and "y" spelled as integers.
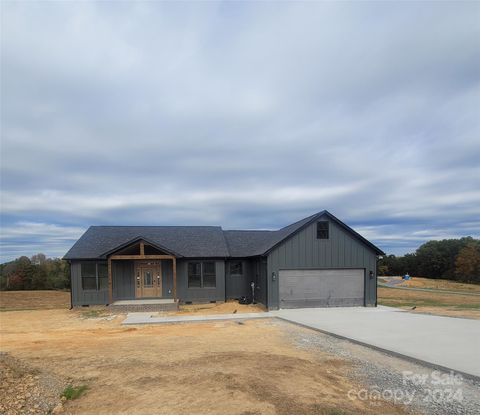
{"x": 174, "y": 278}
{"x": 110, "y": 285}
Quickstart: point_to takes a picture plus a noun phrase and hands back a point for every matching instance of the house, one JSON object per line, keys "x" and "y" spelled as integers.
{"x": 315, "y": 262}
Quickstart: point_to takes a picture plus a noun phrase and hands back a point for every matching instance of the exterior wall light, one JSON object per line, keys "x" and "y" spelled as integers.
{"x": 371, "y": 274}
{"x": 274, "y": 276}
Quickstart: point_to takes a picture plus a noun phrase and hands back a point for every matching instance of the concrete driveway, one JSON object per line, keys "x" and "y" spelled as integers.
{"x": 452, "y": 343}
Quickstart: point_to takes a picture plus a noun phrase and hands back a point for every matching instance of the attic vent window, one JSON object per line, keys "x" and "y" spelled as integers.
{"x": 322, "y": 230}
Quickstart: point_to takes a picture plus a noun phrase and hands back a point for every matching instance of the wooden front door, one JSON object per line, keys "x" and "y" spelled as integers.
{"x": 148, "y": 281}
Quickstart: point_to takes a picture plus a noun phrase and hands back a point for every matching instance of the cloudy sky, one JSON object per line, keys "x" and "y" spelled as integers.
{"x": 242, "y": 114}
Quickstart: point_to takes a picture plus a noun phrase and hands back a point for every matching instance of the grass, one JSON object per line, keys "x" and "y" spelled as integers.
{"x": 433, "y": 302}
{"x": 73, "y": 392}
{"x": 15, "y": 309}
{"x": 94, "y": 313}
{"x": 391, "y": 296}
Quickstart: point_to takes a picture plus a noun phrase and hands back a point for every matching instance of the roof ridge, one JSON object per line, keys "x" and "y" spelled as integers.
{"x": 250, "y": 230}
{"x": 155, "y": 226}
{"x": 306, "y": 217}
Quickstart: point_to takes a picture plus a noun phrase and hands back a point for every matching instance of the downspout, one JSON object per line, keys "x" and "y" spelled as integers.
{"x": 379, "y": 257}
{"x": 71, "y": 285}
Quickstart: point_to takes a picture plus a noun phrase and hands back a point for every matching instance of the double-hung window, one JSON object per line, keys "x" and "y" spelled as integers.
{"x": 202, "y": 275}
{"x": 94, "y": 275}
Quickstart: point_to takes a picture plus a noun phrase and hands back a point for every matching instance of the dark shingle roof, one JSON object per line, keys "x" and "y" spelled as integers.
{"x": 187, "y": 241}
{"x": 194, "y": 241}
{"x": 252, "y": 243}
{"x": 248, "y": 243}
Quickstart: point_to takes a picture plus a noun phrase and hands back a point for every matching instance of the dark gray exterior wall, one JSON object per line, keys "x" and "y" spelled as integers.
{"x": 200, "y": 294}
{"x": 237, "y": 286}
{"x": 254, "y": 269}
{"x": 85, "y": 297}
{"x": 123, "y": 280}
{"x": 167, "y": 278}
{"x": 261, "y": 287}
{"x": 123, "y": 283}
{"x": 303, "y": 251}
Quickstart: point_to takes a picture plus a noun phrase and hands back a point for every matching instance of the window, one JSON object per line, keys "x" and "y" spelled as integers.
{"x": 236, "y": 268}
{"x": 322, "y": 230}
{"x": 202, "y": 275}
{"x": 194, "y": 274}
{"x": 94, "y": 276}
{"x": 102, "y": 276}
{"x": 209, "y": 278}
{"x": 89, "y": 275}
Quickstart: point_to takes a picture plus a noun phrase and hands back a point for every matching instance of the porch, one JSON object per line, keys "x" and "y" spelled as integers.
{"x": 144, "y": 273}
{"x": 141, "y": 305}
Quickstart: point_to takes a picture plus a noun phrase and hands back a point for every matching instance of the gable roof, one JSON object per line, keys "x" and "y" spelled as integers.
{"x": 196, "y": 241}
{"x": 187, "y": 241}
{"x": 253, "y": 243}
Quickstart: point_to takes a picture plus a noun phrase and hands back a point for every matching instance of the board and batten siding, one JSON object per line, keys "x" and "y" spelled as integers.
{"x": 237, "y": 285}
{"x": 85, "y": 297}
{"x": 304, "y": 251}
{"x": 200, "y": 294}
{"x": 123, "y": 280}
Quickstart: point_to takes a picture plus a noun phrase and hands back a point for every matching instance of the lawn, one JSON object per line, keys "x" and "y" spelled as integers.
{"x": 434, "y": 302}
{"x": 34, "y": 300}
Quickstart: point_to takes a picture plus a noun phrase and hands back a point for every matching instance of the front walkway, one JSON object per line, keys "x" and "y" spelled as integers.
{"x": 451, "y": 343}
{"x": 149, "y": 318}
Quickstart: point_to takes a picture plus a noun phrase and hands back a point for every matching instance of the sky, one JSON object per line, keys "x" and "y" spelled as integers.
{"x": 249, "y": 115}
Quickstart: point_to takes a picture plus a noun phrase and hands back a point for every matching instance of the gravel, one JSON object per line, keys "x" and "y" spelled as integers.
{"x": 26, "y": 390}
{"x": 419, "y": 388}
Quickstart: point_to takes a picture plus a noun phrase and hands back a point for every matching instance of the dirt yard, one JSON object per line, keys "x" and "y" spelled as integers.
{"x": 247, "y": 368}
{"x": 42, "y": 300}
{"x": 445, "y": 304}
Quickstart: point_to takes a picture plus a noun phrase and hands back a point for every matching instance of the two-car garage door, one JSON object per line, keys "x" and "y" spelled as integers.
{"x": 321, "y": 288}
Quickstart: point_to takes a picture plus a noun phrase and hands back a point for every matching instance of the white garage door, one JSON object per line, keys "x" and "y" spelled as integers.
{"x": 321, "y": 288}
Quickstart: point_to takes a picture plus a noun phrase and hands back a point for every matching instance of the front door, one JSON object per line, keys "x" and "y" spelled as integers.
{"x": 149, "y": 281}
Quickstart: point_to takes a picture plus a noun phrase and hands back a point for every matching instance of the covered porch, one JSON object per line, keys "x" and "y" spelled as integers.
{"x": 143, "y": 272}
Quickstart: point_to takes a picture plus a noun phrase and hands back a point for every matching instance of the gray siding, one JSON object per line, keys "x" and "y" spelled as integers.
{"x": 200, "y": 294}
{"x": 261, "y": 287}
{"x": 253, "y": 270}
{"x": 123, "y": 283}
{"x": 123, "y": 280}
{"x": 237, "y": 286}
{"x": 84, "y": 297}
{"x": 303, "y": 251}
{"x": 167, "y": 278}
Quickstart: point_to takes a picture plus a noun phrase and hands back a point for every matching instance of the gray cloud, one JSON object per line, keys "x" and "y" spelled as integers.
{"x": 246, "y": 115}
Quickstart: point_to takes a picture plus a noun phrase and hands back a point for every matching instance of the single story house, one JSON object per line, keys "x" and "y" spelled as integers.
{"x": 316, "y": 262}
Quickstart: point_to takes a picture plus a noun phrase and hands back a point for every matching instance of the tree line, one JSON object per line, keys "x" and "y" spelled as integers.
{"x": 453, "y": 259}
{"x": 35, "y": 273}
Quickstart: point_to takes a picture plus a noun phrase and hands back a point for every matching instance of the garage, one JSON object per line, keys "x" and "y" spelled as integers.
{"x": 321, "y": 288}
